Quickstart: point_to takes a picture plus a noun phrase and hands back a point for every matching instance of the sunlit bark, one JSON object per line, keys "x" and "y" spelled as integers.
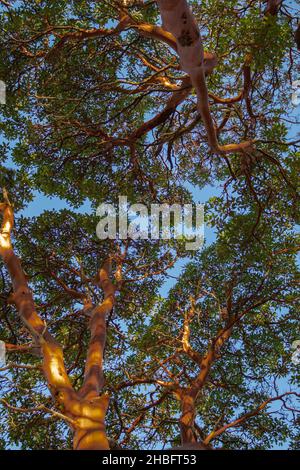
{"x": 86, "y": 410}
{"x": 187, "y": 419}
{"x": 93, "y": 378}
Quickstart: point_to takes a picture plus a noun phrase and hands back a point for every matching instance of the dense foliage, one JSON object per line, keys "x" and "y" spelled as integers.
{"x": 98, "y": 106}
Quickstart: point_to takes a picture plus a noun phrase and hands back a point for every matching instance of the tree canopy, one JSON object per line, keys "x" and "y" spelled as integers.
{"x": 155, "y": 101}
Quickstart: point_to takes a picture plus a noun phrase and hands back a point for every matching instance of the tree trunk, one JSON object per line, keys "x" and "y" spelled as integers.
{"x": 187, "y": 419}
{"x": 85, "y": 411}
{"x": 90, "y": 433}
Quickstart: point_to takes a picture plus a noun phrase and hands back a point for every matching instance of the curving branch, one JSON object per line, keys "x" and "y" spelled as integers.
{"x": 239, "y": 421}
{"x": 178, "y": 20}
{"x": 71, "y": 292}
{"x": 38, "y": 408}
{"x": 174, "y": 101}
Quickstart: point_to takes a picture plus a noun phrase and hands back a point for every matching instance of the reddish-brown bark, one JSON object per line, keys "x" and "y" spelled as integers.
{"x": 179, "y": 21}
{"x": 273, "y": 7}
{"x": 86, "y": 410}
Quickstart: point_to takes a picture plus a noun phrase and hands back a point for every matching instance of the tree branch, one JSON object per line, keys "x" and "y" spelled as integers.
{"x": 93, "y": 377}
{"x": 178, "y": 20}
{"x": 53, "y": 362}
{"x": 246, "y": 416}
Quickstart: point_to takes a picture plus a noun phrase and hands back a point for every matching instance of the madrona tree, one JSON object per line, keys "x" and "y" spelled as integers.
{"x": 145, "y": 99}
